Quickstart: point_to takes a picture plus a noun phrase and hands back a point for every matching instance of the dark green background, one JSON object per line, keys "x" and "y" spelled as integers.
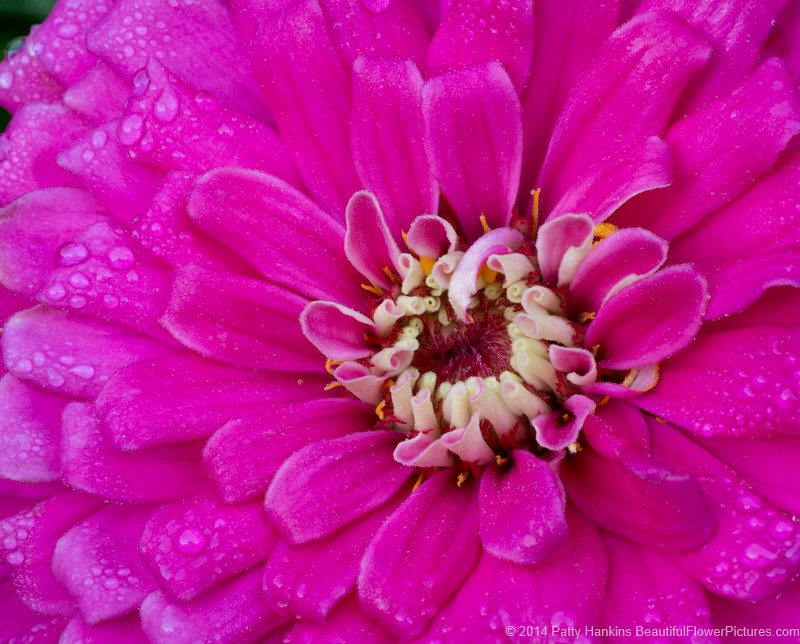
{"x": 16, "y": 18}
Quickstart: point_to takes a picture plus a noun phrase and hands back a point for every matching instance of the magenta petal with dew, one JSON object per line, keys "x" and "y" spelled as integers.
{"x": 34, "y": 228}
{"x": 783, "y": 610}
{"x": 741, "y": 255}
{"x": 332, "y": 483}
{"x": 473, "y": 32}
{"x": 30, "y": 426}
{"x": 723, "y": 384}
{"x": 645, "y": 165}
{"x": 368, "y": 242}
{"x": 279, "y": 230}
{"x": 307, "y": 90}
{"x": 91, "y": 463}
{"x": 243, "y": 455}
{"x": 641, "y": 500}
{"x": 70, "y": 354}
{"x": 618, "y": 260}
{"x": 337, "y": 331}
{"x": 27, "y": 549}
{"x": 561, "y": 245}
{"x": 646, "y": 589}
{"x": 311, "y": 579}
{"x": 473, "y": 127}
{"x": 18, "y": 622}
{"x": 464, "y": 282}
{"x": 606, "y": 112}
{"x": 347, "y": 623}
{"x": 226, "y": 614}
{"x": 566, "y": 589}
{"x": 238, "y": 320}
{"x": 184, "y": 397}
{"x": 30, "y": 144}
{"x": 193, "y": 545}
{"x": 124, "y": 630}
{"x": 388, "y": 139}
{"x": 559, "y": 429}
{"x": 522, "y": 510}
{"x": 649, "y": 320}
{"x": 99, "y": 95}
{"x": 420, "y": 555}
{"x": 618, "y": 431}
{"x": 721, "y": 151}
{"x": 25, "y": 79}
{"x": 98, "y": 562}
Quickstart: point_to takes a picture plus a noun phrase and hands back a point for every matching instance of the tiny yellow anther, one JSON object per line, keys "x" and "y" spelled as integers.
{"x": 375, "y": 290}
{"x": 427, "y": 264}
{"x": 405, "y": 237}
{"x": 388, "y": 272}
{"x": 595, "y": 349}
{"x": 333, "y": 385}
{"x": 535, "y": 212}
{"x": 586, "y": 316}
{"x": 500, "y": 460}
{"x": 463, "y": 476}
{"x": 420, "y": 479}
{"x": 329, "y": 366}
{"x": 485, "y": 225}
{"x": 604, "y": 230}
{"x": 604, "y": 401}
{"x": 379, "y": 409}
{"x": 574, "y": 448}
{"x": 488, "y": 274}
{"x": 661, "y": 420}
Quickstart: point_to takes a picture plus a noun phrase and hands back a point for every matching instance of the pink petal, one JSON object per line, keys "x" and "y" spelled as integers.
{"x": 347, "y": 623}
{"x": 238, "y": 320}
{"x": 522, "y": 510}
{"x": 619, "y": 259}
{"x": 332, "y": 483}
{"x": 123, "y": 187}
{"x": 473, "y": 32}
{"x": 99, "y": 95}
{"x": 29, "y": 147}
{"x": 647, "y": 590}
{"x": 311, "y": 579}
{"x": 566, "y": 38}
{"x": 193, "y": 545}
{"x": 420, "y": 555}
{"x": 388, "y": 140}
{"x": 243, "y": 455}
{"x": 741, "y": 255}
{"x": 473, "y": 129}
{"x": 432, "y": 236}
{"x": 30, "y": 82}
{"x": 642, "y": 500}
{"x": 90, "y": 463}
{"x": 368, "y": 243}
{"x": 29, "y": 432}
{"x": 307, "y": 90}
{"x": 33, "y": 229}
{"x": 210, "y": 134}
{"x": 27, "y": 550}
{"x": 649, "y": 320}
{"x": 723, "y": 384}
{"x": 125, "y": 630}
{"x": 561, "y": 244}
{"x": 617, "y": 430}
{"x": 721, "y": 151}
{"x": 98, "y": 563}
{"x": 184, "y": 397}
{"x": 337, "y": 331}
{"x": 766, "y": 613}
{"x": 229, "y": 613}
{"x": 642, "y": 167}
{"x": 18, "y": 623}
{"x": 278, "y": 230}
{"x": 70, "y": 354}
{"x": 558, "y": 430}
{"x": 203, "y": 45}
{"x": 565, "y": 590}
{"x": 608, "y": 110}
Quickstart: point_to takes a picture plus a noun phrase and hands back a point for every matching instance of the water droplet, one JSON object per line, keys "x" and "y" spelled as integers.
{"x": 72, "y": 254}
{"x": 140, "y": 83}
{"x": 225, "y": 131}
{"x": 205, "y": 101}
{"x": 166, "y": 107}
{"x": 83, "y": 371}
{"x": 749, "y": 503}
{"x": 68, "y": 30}
{"x": 130, "y": 129}
{"x": 786, "y": 399}
{"x": 111, "y": 583}
{"x": 79, "y": 280}
{"x": 6, "y": 80}
{"x": 15, "y": 558}
{"x": 110, "y": 301}
{"x": 24, "y": 365}
{"x": 191, "y": 541}
{"x": 56, "y": 292}
{"x": 120, "y": 258}
{"x": 99, "y": 138}
{"x": 55, "y": 378}
{"x": 77, "y": 301}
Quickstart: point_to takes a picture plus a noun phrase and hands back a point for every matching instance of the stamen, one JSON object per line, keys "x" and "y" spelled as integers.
{"x": 379, "y": 409}
{"x": 488, "y": 274}
{"x": 604, "y": 401}
{"x": 485, "y": 226}
{"x": 329, "y": 364}
{"x": 427, "y": 264}
{"x": 603, "y": 230}
{"x": 420, "y": 479}
{"x": 404, "y": 235}
{"x": 376, "y": 290}
{"x": 501, "y": 460}
{"x": 535, "y": 212}
{"x": 388, "y": 272}
{"x": 462, "y": 477}
{"x": 661, "y": 420}
{"x": 332, "y": 385}
{"x": 584, "y": 317}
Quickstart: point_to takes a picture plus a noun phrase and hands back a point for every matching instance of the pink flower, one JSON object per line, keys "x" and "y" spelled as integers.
{"x": 358, "y": 320}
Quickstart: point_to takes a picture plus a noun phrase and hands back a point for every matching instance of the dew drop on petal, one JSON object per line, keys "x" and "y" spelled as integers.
{"x": 190, "y": 542}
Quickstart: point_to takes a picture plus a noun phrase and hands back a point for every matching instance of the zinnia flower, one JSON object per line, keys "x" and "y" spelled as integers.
{"x": 371, "y": 320}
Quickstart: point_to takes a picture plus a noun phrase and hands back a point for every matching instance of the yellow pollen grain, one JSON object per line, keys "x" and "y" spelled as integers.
{"x": 333, "y": 385}
{"x": 485, "y": 225}
{"x": 500, "y": 460}
{"x": 379, "y": 409}
{"x": 462, "y": 478}
{"x": 375, "y": 290}
{"x": 420, "y": 479}
{"x": 574, "y": 448}
{"x": 535, "y": 212}
{"x": 488, "y": 274}
{"x": 604, "y": 230}
{"x": 584, "y": 317}
{"x": 427, "y": 264}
